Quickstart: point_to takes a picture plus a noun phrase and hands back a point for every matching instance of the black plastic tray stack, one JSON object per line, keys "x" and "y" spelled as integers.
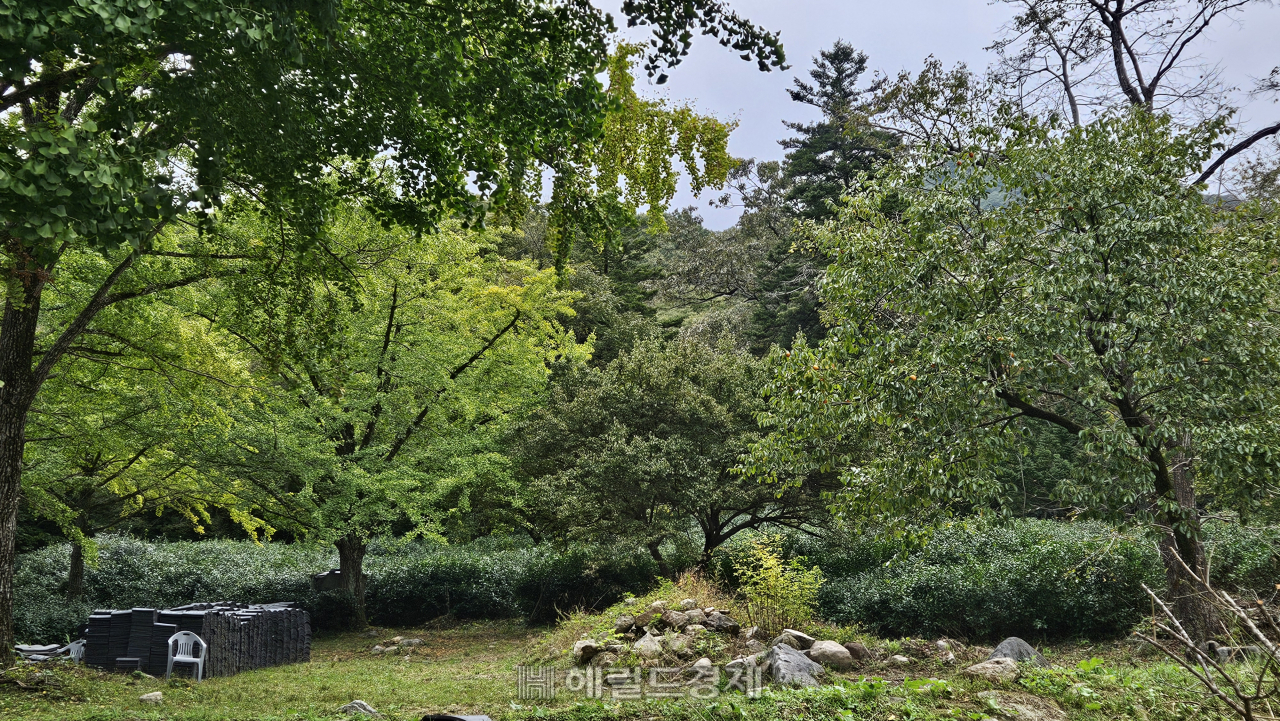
{"x": 240, "y": 637}
{"x": 97, "y": 640}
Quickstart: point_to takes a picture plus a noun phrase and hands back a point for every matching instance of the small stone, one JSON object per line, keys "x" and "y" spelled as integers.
{"x": 803, "y": 638}
{"x": 584, "y": 650}
{"x": 1024, "y": 706}
{"x": 720, "y": 622}
{"x": 648, "y": 647}
{"x": 749, "y": 633}
{"x": 645, "y": 619}
{"x": 696, "y": 616}
{"x": 359, "y": 708}
{"x": 658, "y": 606}
{"x": 997, "y": 669}
{"x": 693, "y": 629}
{"x": 394, "y": 639}
{"x": 830, "y": 654}
{"x": 948, "y": 657}
{"x": 794, "y": 639}
{"x": 623, "y": 623}
{"x": 377, "y": 649}
{"x": 153, "y": 697}
{"x": 702, "y": 663}
{"x": 370, "y": 634}
{"x": 942, "y": 646}
{"x": 679, "y": 645}
{"x": 604, "y": 659}
{"x": 754, "y": 646}
{"x": 630, "y": 600}
{"x": 411, "y": 642}
{"x": 858, "y": 651}
{"x": 674, "y": 619}
{"x": 688, "y": 604}
{"x": 391, "y": 649}
{"x": 899, "y": 660}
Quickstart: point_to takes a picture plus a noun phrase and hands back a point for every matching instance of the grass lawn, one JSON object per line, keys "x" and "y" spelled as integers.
{"x": 471, "y": 669}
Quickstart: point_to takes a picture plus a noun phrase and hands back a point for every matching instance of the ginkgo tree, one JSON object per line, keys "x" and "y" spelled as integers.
{"x": 107, "y": 441}
{"x": 1069, "y": 279}
{"x": 383, "y": 393}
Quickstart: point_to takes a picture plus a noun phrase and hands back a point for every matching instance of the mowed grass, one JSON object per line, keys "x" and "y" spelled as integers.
{"x": 469, "y": 669}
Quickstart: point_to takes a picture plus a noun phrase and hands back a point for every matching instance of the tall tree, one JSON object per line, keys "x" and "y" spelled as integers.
{"x": 1068, "y": 280}
{"x": 120, "y": 118}
{"x": 827, "y": 157}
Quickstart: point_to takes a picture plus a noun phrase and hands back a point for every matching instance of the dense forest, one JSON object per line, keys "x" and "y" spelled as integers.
{"x": 286, "y": 281}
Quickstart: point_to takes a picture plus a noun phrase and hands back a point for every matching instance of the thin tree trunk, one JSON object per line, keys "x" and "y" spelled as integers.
{"x": 664, "y": 569}
{"x": 351, "y": 550}
{"x": 75, "y": 577}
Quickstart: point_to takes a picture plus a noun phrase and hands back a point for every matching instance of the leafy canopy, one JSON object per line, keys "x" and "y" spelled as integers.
{"x": 1069, "y": 279}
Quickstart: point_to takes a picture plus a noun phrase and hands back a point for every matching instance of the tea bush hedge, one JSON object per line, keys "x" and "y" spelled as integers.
{"x": 1027, "y": 577}
{"x": 409, "y": 583}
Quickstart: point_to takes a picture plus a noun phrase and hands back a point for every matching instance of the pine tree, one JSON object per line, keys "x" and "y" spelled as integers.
{"x": 827, "y": 156}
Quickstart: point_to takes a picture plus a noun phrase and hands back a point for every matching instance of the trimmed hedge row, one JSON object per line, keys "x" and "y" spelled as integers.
{"x": 973, "y": 579}
{"x": 409, "y": 583}
{"x": 1026, "y": 577}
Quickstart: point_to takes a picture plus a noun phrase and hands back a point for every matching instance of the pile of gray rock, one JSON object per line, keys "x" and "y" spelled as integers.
{"x": 795, "y": 658}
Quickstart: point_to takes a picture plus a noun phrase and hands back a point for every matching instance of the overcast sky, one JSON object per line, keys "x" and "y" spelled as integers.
{"x": 895, "y": 35}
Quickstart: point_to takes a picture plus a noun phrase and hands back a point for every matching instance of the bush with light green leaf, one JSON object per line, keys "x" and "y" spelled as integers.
{"x": 779, "y": 593}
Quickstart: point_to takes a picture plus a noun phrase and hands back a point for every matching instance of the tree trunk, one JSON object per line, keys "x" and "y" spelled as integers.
{"x": 1189, "y": 602}
{"x": 664, "y": 569}
{"x": 351, "y": 550}
{"x": 17, "y": 349}
{"x": 75, "y": 577}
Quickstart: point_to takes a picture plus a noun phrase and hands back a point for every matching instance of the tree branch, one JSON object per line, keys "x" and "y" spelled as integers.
{"x": 1236, "y": 149}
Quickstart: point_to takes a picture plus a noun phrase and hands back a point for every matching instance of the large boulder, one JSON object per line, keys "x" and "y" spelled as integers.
{"x": 623, "y": 623}
{"x": 789, "y": 667}
{"x": 674, "y": 619}
{"x": 646, "y": 618}
{"x": 830, "y": 654}
{"x": 997, "y": 669}
{"x": 696, "y": 616}
{"x": 583, "y": 651}
{"x": 717, "y": 621}
{"x": 648, "y": 647}
{"x": 688, "y": 604}
{"x": 1018, "y": 650}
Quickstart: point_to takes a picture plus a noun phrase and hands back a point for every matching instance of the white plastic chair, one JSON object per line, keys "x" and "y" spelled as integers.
{"x": 185, "y": 642}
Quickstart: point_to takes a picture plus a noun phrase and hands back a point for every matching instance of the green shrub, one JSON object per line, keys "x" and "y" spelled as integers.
{"x": 779, "y": 594}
